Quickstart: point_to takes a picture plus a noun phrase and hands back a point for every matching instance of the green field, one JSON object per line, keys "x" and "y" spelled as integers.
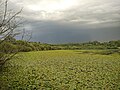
{"x": 61, "y": 70}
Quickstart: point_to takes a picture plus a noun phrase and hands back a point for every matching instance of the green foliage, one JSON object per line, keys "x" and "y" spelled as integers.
{"x": 1, "y": 55}
{"x": 6, "y": 51}
{"x": 7, "y": 47}
{"x": 102, "y": 52}
{"x": 62, "y": 70}
{"x": 90, "y": 45}
{"x": 24, "y": 46}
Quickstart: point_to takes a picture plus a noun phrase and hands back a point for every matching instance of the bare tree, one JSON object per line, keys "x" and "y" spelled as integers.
{"x": 9, "y": 22}
{"x": 27, "y": 36}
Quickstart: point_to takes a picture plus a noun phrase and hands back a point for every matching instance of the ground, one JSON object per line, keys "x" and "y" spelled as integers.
{"x": 61, "y": 70}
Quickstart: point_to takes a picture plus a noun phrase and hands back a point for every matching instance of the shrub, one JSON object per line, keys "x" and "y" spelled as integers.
{"x": 24, "y": 48}
{"x": 7, "y": 47}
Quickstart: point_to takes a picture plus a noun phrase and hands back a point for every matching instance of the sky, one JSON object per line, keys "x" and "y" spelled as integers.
{"x": 67, "y": 21}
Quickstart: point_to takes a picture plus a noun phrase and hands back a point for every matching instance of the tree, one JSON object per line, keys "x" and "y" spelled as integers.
{"x": 9, "y": 22}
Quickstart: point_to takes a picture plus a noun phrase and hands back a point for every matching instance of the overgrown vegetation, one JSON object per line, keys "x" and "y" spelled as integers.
{"x": 24, "y": 46}
{"x": 61, "y": 70}
{"x": 10, "y": 46}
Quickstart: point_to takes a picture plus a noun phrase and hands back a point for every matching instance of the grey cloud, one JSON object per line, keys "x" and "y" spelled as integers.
{"x": 87, "y": 12}
{"x": 88, "y": 21}
{"x": 56, "y": 32}
{"x": 107, "y": 12}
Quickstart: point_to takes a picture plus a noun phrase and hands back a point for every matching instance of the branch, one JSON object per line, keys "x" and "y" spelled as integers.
{"x": 5, "y": 12}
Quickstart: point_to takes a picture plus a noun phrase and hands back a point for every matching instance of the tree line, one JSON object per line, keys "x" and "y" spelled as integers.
{"x": 11, "y": 45}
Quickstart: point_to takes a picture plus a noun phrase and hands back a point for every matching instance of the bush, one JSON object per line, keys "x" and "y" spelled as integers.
{"x": 24, "y": 49}
{"x": 7, "y": 47}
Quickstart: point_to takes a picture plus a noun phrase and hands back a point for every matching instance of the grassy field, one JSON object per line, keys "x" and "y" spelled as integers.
{"x": 61, "y": 70}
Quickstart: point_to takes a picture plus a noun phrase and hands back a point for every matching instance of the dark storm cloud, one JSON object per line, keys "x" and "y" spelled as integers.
{"x": 56, "y": 32}
{"x": 87, "y": 21}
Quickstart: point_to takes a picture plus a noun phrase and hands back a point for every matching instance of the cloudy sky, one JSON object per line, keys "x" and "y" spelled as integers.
{"x": 64, "y": 21}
